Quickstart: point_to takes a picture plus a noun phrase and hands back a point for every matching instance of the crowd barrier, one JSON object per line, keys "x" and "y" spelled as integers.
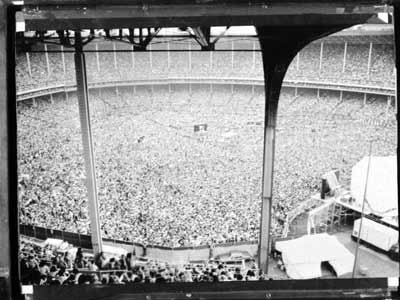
{"x": 179, "y": 255}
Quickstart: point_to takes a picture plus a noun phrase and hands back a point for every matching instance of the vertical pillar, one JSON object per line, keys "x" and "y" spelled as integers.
{"x": 152, "y": 96}
{"x": 341, "y": 96}
{"x": 274, "y": 70}
{"x": 150, "y": 59}
{"x": 168, "y": 56}
{"x": 190, "y": 56}
{"x": 318, "y": 93}
{"x": 365, "y": 99}
{"x": 83, "y": 101}
{"x": 279, "y": 47}
{"x": 133, "y": 57}
{"x": 396, "y": 21}
{"x": 97, "y": 58}
{"x": 321, "y": 56}
{"x": 211, "y": 60}
{"x": 63, "y": 62}
{"x": 9, "y": 229}
{"x": 254, "y": 55}
{"x": 388, "y": 105}
{"x": 115, "y": 55}
{"x": 296, "y": 92}
{"x": 369, "y": 59}
{"x": 344, "y": 57}
{"x": 28, "y": 60}
{"x": 46, "y": 54}
{"x": 298, "y": 61}
{"x": 233, "y": 57}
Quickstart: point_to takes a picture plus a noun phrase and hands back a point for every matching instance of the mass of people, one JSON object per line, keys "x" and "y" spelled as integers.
{"x": 42, "y": 265}
{"x": 162, "y": 183}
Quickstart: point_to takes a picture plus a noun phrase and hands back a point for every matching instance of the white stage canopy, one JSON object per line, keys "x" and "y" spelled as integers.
{"x": 303, "y": 256}
{"x": 381, "y": 192}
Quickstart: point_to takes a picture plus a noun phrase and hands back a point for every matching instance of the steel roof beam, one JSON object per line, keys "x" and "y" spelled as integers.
{"x": 99, "y": 17}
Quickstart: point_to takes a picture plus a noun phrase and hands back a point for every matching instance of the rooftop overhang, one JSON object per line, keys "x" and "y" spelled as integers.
{"x": 74, "y": 15}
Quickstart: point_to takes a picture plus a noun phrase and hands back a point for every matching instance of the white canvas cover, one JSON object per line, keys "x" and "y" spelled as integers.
{"x": 376, "y": 234}
{"x": 111, "y": 251}
{"x": 382, "y": 185}
{"x": 53, "y": 242}
{"x": 303, "y": 256}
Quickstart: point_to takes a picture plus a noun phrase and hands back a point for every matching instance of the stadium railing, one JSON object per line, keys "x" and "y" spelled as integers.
{"x": 314, "y": 85}
{"x": 160, "y": 253}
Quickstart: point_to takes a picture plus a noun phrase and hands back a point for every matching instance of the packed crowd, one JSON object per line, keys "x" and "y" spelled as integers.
{"x": 42, "y": 265}
{"x": 109, "y": 66}
{"x": 161, "y": 183}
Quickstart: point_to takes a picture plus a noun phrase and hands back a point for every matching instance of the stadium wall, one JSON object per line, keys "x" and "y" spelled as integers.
{"x": 179, "y": 255}
{"x": 323, "y": 86}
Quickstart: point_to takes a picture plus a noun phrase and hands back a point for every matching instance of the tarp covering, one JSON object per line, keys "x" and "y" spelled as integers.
{"x": 381, "y": 192}
{"x": 303, "y": 256}
{"x": 376, "y": 234}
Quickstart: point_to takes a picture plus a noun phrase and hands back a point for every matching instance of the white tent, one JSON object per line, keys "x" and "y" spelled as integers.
{"x": 381, "y": 192}
{"x": 303, "y": 256}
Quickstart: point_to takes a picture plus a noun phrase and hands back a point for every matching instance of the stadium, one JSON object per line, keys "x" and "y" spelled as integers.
{"x": 178, "y": 142}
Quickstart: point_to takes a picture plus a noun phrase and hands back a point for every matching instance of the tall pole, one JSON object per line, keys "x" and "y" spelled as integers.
{"x": 344, "y": 57}
{"x": 396, "y": 23}
{"x": 211, "y": 60}
{"x": 362, "y": 213}
{"x": 190, "y": 57}
{"x": 321, "y": 55}
{"x": 232, "y": 57}
{"x": 47, "y": 60}
{"x": 83, "y": 101}
{"x": 9, "y": 226}
{"x": 63, "y": 62}
{"x": 29, "y": 64}
{"x": 97, "y": 57}
{"x": 115, "y": 55}
{"x": 150, "y": 59}
{"x": 133, "y": 57}
{"x": 369, "y": 59}
{"x": 168, "y": 56}
{"x": 254, "y": 55}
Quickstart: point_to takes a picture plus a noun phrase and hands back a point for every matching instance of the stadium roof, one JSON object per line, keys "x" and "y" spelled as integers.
{"x": 89, "y": 14}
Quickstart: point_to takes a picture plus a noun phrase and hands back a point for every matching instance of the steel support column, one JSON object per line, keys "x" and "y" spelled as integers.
{"x": 396, "y": 21}
{"x": 83, "y": 101}
{"x": 321, "y": 56}
{"x": 275, "y": 63}
{"x": 9, "y": 231}
{"x": 97, "y": 58}
{"x": 369, "y": 59}
{"x": 344, "y": 57}
{"x": 115, "y": 55}
{"x": 29, "y": 64}
{"x": 63, "y": 62}
{"x": 132, "y": 57}
{"x": 273, "y": 76}
{"x": 46, "y": 54}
